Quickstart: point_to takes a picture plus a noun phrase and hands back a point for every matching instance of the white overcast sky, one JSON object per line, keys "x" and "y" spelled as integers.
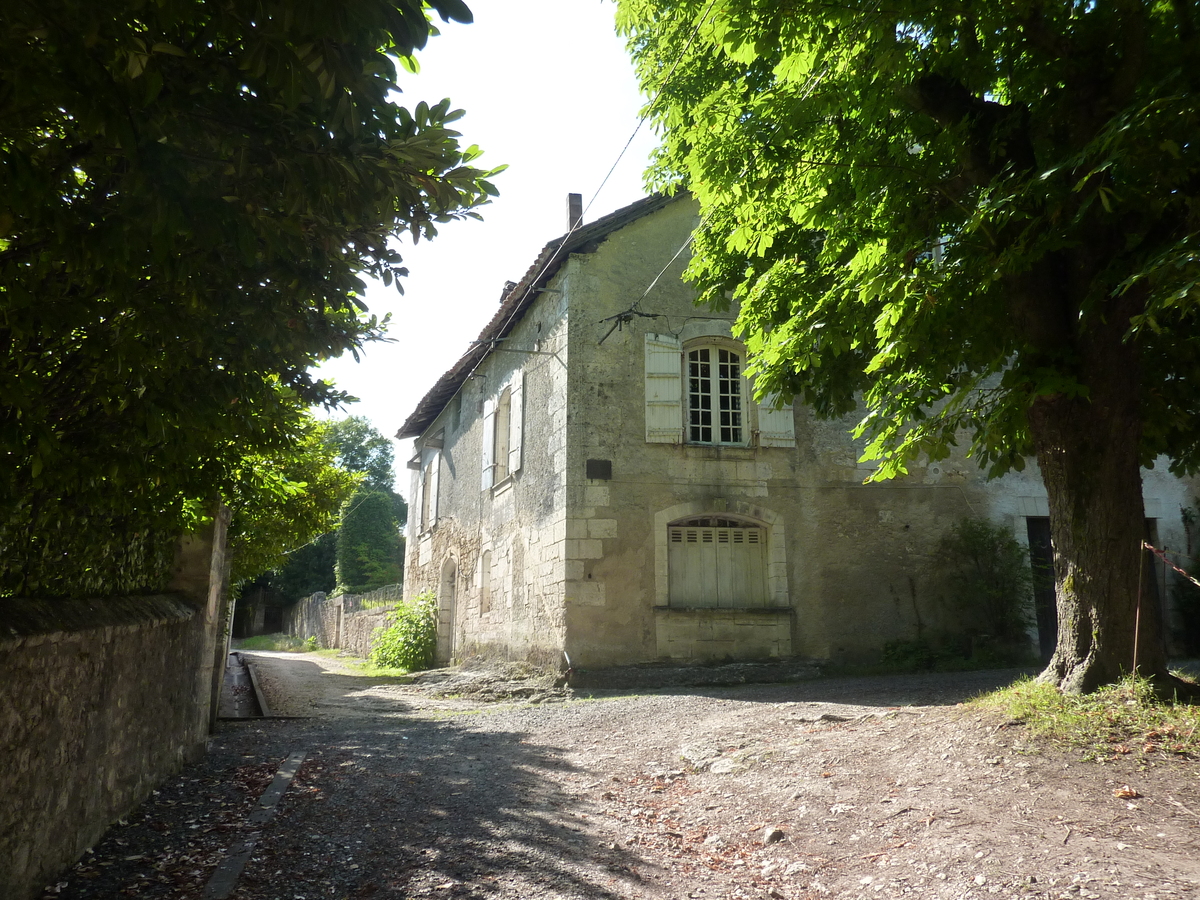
{"x": 548, "y": 89}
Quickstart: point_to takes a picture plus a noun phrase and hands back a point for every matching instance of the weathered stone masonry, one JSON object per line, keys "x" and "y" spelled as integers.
{"x": 570, "y": 546}
{"x": 101, "y": 700}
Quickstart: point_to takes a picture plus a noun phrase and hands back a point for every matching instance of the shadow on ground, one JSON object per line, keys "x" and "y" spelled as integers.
{"x": 381, "y": 808}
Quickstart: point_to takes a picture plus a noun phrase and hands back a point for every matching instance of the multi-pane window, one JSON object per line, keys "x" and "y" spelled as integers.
{"x": 714, "y": 396}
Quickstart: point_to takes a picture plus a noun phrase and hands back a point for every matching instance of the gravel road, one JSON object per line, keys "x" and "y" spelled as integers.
{"x": 871, "y": 788}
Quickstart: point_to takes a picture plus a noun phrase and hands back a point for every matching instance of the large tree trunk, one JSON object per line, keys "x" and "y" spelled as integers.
{"x": 1088, "y": 451}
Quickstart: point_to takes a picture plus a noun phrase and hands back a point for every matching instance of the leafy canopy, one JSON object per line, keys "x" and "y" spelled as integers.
{"x": 360, "y": 447}
{"x": 368, "y": 544}
{"x": 191, "y": 196}
{"x": 927, "y": 204}
{"x": 283, "y": 501}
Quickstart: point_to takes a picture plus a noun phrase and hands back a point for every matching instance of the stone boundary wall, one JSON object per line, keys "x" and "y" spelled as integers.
{"x": 340, "y": 622}
{"x": 101, "y": 702}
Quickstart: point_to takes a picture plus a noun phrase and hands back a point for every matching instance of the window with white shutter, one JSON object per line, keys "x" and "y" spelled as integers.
{"x": 776, "y": 423}
{"x": 715, "y": 413}
{"x": 429, "y": 489}
{"x": 664, "y": 406}
{"x": 503, "y": 432}
{"x": 489, "y": 443}
{"x": 516, "y": 422}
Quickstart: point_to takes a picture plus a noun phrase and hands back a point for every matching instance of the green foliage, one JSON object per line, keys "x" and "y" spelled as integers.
{"x": 951, "y": 652}
{"x": 939, "y": 207}
{"x": 1121, "y": 719}
{"x": 60, "y": 547}
{"x": 368, "y": 544}
{"x": 191, "y": 196}
{"x": 307, "y": 570}
{"x": 284, "y": 500}
{"x": 360, "y": 447}
{"x": 409, "y": 640}
{"x": 970, "y": 221}
{"x": 990, "y": 579}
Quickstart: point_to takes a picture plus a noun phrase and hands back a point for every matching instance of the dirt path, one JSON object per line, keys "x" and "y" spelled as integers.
{"x": 831, "y": 788}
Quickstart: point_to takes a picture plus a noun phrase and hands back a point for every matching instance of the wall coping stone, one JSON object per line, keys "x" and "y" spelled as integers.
{"x": 25, "y": 617}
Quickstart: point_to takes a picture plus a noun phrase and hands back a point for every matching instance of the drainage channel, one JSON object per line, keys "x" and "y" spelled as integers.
{"x": 242, "y": 698}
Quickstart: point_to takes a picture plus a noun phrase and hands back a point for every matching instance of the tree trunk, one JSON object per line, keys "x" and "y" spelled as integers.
{"x": 1088, "y": 451}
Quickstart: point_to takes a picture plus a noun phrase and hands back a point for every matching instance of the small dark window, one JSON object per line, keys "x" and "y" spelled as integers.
{"x": 600, "y": 469}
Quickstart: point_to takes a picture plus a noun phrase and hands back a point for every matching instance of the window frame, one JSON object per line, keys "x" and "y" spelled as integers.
{"x": 428, "y": 475}
{"x": 715, "y": 346}
{"x": 503, "y": 431}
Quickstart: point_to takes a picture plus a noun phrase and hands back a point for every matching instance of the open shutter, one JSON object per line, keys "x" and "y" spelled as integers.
{"x": 516, "y": 421}
{"x": 435, "y": 465}
{"x": 489, "y": 443}
{"x": 664, "y": 380}
{"x": 418, "y": 488}
{"x": 776, "y": 427}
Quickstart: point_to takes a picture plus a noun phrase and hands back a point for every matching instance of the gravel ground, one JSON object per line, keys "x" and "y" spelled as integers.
{"x": 872, "y": 788}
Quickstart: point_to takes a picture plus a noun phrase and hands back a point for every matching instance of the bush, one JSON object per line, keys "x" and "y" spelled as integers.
{"x": 990, "y": 578}
{"x": 409, "y": 640}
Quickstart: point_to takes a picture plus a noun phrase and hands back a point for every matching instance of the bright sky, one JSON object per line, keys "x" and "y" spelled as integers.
{"x": 548, "y": 89}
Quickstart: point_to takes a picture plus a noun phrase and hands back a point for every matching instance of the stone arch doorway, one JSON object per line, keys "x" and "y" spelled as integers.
{"x": 447, "y": 600}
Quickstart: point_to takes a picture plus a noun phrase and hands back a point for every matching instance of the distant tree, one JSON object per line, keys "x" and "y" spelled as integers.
{"x": 284, "y": 501}
{"x": 192, "y": 195}
{"x": 989, "y": 577}
{"x": 368, "y": 544}
{"x": 360, "y": 447}
{"x": 309, "y": 569}
{"x": 973, "y": 218}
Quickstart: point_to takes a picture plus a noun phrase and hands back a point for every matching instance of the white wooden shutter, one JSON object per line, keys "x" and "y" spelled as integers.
{"x": 418, "y": 495}
{"x": 664, "y": 386}
{"x": 516, "y": 421}
{"x": 435, "y": 465}
{"x": 776, "y": 427}
{"x": 489, "y": 443}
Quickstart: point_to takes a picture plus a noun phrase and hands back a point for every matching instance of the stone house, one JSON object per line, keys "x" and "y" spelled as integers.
{"x": 593, "y": 476}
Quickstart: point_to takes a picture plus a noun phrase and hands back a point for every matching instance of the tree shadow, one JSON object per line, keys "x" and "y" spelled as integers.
{"x": 386, "y": 805}
{"x": 881, "y": 691}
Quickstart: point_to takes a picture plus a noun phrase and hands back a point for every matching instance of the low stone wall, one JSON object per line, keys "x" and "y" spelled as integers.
{"x": 102, "y": 700}
{"x": 341, "y": 622}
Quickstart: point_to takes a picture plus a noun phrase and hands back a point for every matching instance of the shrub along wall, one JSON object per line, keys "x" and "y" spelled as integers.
{"x": 103, "y": 699}
{"x": 341, "y": 622}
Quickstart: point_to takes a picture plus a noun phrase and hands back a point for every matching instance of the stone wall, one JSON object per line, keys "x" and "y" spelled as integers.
{"x": 341, "y": 622}
{"x": 103, "y": 698}
{"x": 495, "y": 555}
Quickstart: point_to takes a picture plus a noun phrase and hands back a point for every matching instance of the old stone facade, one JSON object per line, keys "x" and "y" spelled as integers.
{"x": 594, "y": 477}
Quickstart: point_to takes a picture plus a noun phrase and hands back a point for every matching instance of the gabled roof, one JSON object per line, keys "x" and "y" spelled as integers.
{"x": 516, "y": 300}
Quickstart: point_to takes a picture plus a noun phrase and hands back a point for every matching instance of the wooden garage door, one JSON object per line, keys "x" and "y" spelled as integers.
{"x": 717, "y": 565}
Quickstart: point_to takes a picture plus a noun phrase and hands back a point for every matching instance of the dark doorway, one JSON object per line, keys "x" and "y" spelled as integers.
{"x": 1041, "y": 558}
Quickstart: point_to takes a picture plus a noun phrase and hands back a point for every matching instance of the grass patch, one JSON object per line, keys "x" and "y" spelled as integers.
{"x": 1122, "y": 719}
{"x": 286, "y": 643}
{"x": 370, "y": 669}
